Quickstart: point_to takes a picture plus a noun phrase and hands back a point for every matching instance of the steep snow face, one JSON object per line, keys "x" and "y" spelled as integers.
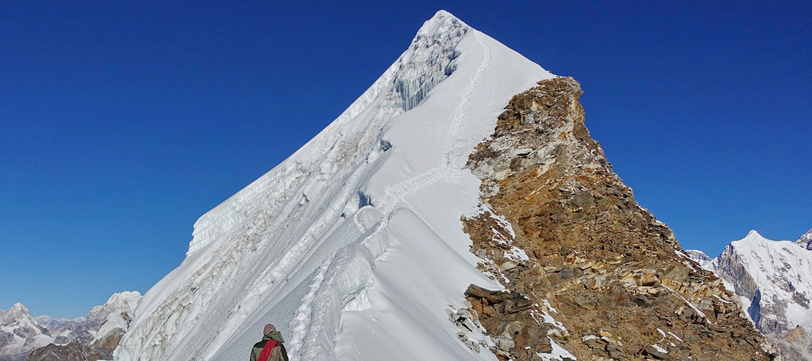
{"x": 353, "y": 246}
{"x": 774, "y": 279}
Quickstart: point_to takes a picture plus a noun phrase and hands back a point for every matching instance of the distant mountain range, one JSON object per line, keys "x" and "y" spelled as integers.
{"x": 774, "y": 281}
{"x": 20, "y": 333}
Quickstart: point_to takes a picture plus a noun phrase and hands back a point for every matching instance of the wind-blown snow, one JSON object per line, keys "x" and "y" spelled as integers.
{"x": 353, "y": 246}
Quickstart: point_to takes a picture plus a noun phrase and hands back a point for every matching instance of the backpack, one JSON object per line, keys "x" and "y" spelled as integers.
{"x": 270, "y": 352}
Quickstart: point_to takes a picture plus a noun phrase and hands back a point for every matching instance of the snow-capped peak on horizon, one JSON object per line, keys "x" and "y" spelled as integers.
{"x": 18, "y": 307}
{"x": 805, "y": 240}
{"x": 437, "y": 23}
{"x": 773, "y": 278}
{"x": 20, "y": 333}
{"x": 116, "y": 299}
{"x": 15, "y": 313}
{"x": 126, "y": 297}
{"x": 753, "y": 238}
{"x": 50, "y": 321}
{"x": 753, "y": 233}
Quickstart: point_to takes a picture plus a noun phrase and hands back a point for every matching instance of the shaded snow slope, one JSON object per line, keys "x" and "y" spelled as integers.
{"x": 353, "y": 246}
{"x": 773, "y": 279}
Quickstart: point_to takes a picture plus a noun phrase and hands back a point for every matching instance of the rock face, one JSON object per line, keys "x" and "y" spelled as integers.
{"x": 560, "y": 228}
{"x": 508, "y": 316}
{"x": 774, "y": 281}
{"x": 43, "y": 338}
{"x": 101, "y": 349}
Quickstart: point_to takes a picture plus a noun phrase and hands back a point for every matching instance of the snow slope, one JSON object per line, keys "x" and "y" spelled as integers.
{"x": 773, "y": 279}
{"x": 353, "y": 246}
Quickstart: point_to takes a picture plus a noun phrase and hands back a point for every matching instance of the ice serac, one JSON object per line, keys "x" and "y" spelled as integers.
{"x": 352, "y": 246}
{"x": 774, "y": 281}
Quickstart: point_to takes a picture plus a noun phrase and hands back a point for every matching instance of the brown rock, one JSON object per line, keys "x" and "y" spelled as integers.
{"x": 655, "y": 352}
{"x": 600, "y": 259}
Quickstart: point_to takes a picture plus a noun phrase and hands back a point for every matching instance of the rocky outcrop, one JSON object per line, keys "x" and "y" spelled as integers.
{"x": 102, "y": 349}
{"x": 508, "y": 317}
{"x": 560, "y": 228}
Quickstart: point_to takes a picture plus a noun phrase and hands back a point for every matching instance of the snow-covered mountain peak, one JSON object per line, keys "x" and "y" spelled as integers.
{"x": 117, "y": 303}
{"x": 774, "y": 279}
{"x": 126, "y": 299}
{"x": 20, "y": 333}
{"x": 754, "y": 236}
{"x": 14, "y": 314}
{"x": 319, "y": 244}
{"x": 50, "y": 322}
{"x": 441, "y": 22}
{"x": 431, "y": 57}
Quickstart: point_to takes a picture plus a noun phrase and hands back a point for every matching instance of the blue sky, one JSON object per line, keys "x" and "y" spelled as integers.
{"x": 122, "y": 122}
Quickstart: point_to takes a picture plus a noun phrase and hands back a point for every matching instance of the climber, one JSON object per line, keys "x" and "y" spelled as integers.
{"x": 271, "y": 347}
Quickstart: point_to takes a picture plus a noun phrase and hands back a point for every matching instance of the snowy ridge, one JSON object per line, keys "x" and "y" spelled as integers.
{"x": 353, "y": 246}
{"x": 773, "y": 279}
